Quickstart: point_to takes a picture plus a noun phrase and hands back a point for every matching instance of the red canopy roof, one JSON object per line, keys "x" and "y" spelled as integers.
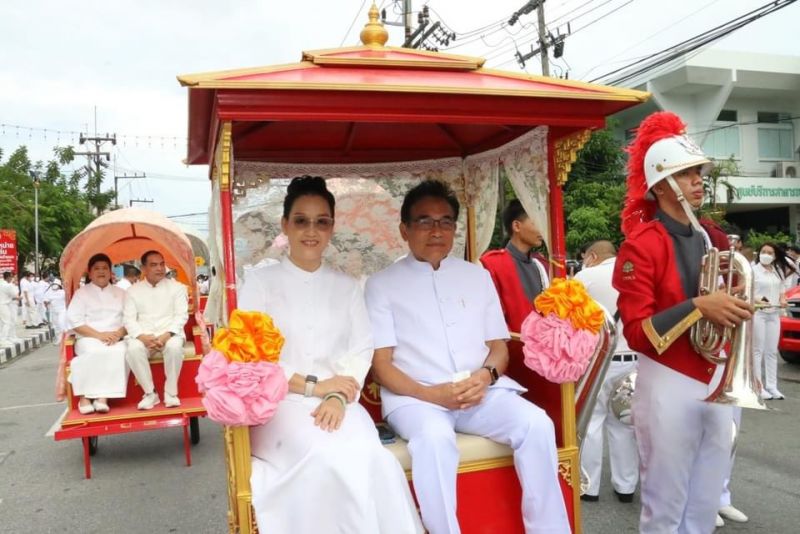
{"x": 374, "y": 103}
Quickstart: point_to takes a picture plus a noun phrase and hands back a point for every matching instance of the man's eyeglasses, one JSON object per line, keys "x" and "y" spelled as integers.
{"x": 447, "y": 224}
{"x": 301, "y": 222}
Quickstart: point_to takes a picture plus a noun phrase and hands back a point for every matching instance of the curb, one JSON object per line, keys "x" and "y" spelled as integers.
{"x": 29, "y": 340}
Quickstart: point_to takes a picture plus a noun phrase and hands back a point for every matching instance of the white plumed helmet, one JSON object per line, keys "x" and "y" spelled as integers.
{"x": 670, "y": 155}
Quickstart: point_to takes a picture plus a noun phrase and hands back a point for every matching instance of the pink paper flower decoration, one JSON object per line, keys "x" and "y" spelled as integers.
{"x": 240, "y": 394}
{"x": 555, "y": 349}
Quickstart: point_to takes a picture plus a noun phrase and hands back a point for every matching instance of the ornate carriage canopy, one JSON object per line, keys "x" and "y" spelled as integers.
{"x": 375, "y": 120}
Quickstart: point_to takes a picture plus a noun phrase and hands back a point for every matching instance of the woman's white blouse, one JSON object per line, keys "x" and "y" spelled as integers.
{"x": 321, "y": 315}
{"x": 99, "y": 308}
{"x": 767, "y": 283}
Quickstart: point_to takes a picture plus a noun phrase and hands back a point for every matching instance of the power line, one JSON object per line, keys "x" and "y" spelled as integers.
{"x": 674, "y": 52}
{"x": 355, "y": 18}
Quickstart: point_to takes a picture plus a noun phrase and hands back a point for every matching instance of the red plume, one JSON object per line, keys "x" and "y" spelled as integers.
{"x": 655, "y": 127}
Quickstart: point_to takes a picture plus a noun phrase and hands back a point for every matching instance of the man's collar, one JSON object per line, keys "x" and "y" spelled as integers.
{"x": 674, "y": 227}
{"x": 424, "y": 266}
{"x": 517, "y": 253}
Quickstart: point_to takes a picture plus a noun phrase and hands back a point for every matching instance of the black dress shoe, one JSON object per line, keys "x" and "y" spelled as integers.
{"x": 624, "y": 497}
{"x": 590, "y": 498}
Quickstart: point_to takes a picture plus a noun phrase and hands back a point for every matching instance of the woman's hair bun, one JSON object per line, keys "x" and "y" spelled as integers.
{"x": 307, "y": 185}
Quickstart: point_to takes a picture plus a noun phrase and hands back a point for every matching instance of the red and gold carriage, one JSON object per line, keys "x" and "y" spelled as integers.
{"x": 374, "y": 121}
{"x": 124, "y": 235}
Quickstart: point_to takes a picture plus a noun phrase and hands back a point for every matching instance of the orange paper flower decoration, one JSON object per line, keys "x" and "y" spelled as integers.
{"x": 250, "y": 337}
{"x": 568, "y": 299}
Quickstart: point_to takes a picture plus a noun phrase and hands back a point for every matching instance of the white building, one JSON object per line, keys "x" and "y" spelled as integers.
{"x": 742, "y": 105}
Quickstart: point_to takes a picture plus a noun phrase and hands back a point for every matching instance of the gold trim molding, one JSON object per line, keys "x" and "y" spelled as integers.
{"x": 567, "y": 149}
{"x": 224, "y": 156}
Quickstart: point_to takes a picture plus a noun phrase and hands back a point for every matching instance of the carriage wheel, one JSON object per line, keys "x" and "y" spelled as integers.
{"x": 92, "y": 445}
{"x": 194, "y": 430}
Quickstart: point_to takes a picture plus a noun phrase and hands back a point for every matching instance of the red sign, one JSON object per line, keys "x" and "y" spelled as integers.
{"x": 8, "y": 251}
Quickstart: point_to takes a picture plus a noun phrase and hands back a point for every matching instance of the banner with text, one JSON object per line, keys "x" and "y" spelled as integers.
{"x": 8, "y": 251}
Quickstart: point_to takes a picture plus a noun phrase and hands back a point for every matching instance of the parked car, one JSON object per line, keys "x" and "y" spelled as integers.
{"x": 789, "y": 344}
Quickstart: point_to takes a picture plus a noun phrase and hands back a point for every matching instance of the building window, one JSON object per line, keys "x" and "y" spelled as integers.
{"x": 728, "y": 115}
{"x": 723, "y": 141}
{"x": 775, "y": 136}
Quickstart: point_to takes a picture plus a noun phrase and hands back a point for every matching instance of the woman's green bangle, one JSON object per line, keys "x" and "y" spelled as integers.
{"x": 338, "y": 396}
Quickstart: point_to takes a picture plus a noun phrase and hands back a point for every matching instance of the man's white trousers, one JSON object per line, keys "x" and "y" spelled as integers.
{"x": 504, "y": 417}
{"x": 766, "y": 334}
{"x": 684, "y": 450}
{"x": 622, "y": 450}
{"x": 138, "y": 358}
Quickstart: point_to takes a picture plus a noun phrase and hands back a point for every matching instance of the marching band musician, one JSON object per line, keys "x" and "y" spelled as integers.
{"x": 684, "y": 443}
{"x": 599, "y": 260}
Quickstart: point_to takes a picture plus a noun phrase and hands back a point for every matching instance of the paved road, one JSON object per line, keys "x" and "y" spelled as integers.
{"x": 141, "y": 485}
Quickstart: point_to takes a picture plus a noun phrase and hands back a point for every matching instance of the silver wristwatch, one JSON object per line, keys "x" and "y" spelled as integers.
{"x": 311, "y": 381}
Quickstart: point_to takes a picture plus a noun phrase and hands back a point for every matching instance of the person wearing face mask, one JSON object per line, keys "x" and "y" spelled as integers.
{"x": 769, "y": 285}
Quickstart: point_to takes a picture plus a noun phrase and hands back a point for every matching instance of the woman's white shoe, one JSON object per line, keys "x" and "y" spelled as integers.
{"x": 733, "y": 514}
{"x": 86, "y": 409}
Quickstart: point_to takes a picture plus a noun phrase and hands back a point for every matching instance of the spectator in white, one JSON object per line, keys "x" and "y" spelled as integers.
{"x": 156, "y": 311}
{"x": 130, "y": 275}
{"x": 54, "y": 298}
{"x": 793, "y": 265}
{"x": 769, "y": 284}
{"x": 30, "y": 317}
{"x": 440, "y": 351}
{"x": 98, "y": 371}
{"x": 9, "y": 295}
{"x": 41, "y": 285}
{"x": 202, "y": 284}
{"x": 598, "y": 261}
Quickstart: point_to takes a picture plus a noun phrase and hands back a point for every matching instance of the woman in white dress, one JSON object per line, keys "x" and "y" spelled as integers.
{"x": 318, "y": 464}
{"x": 769, "y": 286}
{"x": 98, "y": 372}
{"x": 54, "y": 297}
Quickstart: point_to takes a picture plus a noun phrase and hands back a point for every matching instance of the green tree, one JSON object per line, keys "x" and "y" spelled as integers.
{"x": 64, "y": 209}
{"x": 595, "y": 190}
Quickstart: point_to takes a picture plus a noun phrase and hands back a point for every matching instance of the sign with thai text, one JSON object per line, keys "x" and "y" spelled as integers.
{"x": 8, "y": 251}
{"x": 762, "y": 190}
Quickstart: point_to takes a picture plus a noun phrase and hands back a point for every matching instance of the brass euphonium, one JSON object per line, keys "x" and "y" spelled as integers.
{"x": 738, "y": 386}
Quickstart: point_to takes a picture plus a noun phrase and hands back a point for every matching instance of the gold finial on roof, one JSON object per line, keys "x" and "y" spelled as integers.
{"x": 374, "y": 34}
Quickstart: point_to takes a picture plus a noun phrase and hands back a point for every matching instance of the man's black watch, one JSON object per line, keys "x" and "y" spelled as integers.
{"x": 493, "y": 373}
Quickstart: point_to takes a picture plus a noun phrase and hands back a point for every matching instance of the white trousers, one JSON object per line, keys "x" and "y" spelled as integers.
{"x": 504, "y": 417}
{"x": 58, "y": 319}
{"x": 30, "y": 315}
{"x": 6, "y": 324}
{"x": 766, "y": 333}
{"x": 98, "y": 370}
{"x": 138, "y": 358}
{"x": 684, "y": 450}
{"x": 623, "y": 454}
{"x": 725, "y": 498}
{"x": 307, "y": 481}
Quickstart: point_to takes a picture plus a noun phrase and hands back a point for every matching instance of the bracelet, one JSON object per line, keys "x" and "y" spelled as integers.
{"x": 336, "y": 395}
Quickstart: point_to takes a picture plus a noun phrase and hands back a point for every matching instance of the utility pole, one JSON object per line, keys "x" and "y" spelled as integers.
{"x": 407, "y": 20}
{"x": 136, "y": 176}
{"x": 95, "y": 178}
{"x": 543, "y": 40}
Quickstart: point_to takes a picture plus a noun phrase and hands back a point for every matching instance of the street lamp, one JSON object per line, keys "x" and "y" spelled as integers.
{"x": 35, "y": 177}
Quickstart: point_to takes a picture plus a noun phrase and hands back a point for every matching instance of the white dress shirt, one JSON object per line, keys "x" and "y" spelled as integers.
{"x": 99, "y": 308}
{"x": 321, "y": 315}
{"x": 597, "y": 280}
{"x": 7, "y": 293}
{"x": 768, "y": 283}
{"x": 123, "y": 284}
{"x": 437, "y": 321}
{"x": 155, "y": 309}
{"x": 26, "y": 290}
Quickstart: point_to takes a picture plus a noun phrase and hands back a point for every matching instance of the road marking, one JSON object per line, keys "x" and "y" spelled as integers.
{"x": 50, "y": 433}
{"x": 5, "y": 455}
{"x": 5, "y": 408}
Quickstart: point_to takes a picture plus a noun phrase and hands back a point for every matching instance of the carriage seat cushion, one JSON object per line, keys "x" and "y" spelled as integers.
{"x": 470, "y": 447}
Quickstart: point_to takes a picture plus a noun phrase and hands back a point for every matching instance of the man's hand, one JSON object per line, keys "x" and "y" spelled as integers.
{"x": 723, "y": 309}
{"x": 346, "y": 385}
{"x": 329, "y": 415}
{"x": 162, "y": 339}
{"x": 460, "y": 395}
{"x": 149, "y": 341}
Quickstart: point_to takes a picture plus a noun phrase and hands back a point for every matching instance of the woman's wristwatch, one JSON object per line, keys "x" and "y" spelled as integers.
{"x": 493, "y": 373}
{"x": 311, "y": 381}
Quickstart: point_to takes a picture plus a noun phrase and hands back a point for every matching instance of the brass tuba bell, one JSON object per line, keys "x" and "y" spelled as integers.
{"x": 738, "y": 386}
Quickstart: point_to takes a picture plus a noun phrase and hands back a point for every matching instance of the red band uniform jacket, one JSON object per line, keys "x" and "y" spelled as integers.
{"x": 648, "y": 281}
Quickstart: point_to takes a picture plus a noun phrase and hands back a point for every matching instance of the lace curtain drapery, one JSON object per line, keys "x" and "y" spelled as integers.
{"x": 368, "y": 199}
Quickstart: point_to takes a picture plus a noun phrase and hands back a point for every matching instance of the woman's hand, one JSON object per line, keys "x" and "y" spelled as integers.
{"x": 109, "y": 338}
{"x": 329, "y": 415}
{"x": 346, "y": 385}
